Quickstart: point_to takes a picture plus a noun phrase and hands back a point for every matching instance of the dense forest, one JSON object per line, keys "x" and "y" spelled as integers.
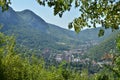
{"x": 15, "y": 67}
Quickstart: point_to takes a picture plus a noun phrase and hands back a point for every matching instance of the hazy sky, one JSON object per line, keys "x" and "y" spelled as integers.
{"x": 45, "y": 12}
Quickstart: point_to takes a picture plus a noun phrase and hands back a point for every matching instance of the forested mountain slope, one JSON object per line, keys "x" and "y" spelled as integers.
{"x": 33, "y": 32}
{"x": 107, "y": 46}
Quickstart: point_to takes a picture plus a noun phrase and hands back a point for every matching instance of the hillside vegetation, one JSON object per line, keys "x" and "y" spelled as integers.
{"x": 15, "y": 67}
{"x": 31, "y": 31}
{"x": 107, "y": 46}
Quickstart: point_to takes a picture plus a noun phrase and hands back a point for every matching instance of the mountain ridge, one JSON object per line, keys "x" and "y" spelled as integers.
{"x": 34, "y": 32}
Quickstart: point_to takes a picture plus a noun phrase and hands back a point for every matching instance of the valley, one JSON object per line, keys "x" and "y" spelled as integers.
{"x": 53, "y": 43}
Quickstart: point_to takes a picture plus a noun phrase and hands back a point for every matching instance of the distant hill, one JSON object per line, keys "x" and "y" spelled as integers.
{"x": 33, "y": 32}
{"x": 107, "y": 46}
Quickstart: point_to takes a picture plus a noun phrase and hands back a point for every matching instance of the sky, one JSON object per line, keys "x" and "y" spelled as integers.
{"x": 45, "y": 13}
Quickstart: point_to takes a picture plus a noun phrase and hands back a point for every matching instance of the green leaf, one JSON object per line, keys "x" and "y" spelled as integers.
{"x": 70, "y": 26}
{"x": 76, "y": 28}
{"x": 101, "y": 32}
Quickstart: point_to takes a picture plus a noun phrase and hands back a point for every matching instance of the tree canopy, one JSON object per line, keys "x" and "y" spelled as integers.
{"x": 4, "y": 4}
{"x": 92, "y": 12}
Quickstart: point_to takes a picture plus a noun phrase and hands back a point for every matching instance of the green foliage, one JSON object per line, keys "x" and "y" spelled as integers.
{"x": 116, "y": 62}
{"x": 4, "y": 4}
{"x": 101, "y": 33}
{"x": 60, "y": 6}
{"x": 15, "y": 67}
{"x": 118, "y": 41}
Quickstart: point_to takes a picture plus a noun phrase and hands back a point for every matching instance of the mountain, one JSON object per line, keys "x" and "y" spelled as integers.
{"x": 31, "y": 19}
{"x": 33, "y": 32}
{"x": 9, "y": 17}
